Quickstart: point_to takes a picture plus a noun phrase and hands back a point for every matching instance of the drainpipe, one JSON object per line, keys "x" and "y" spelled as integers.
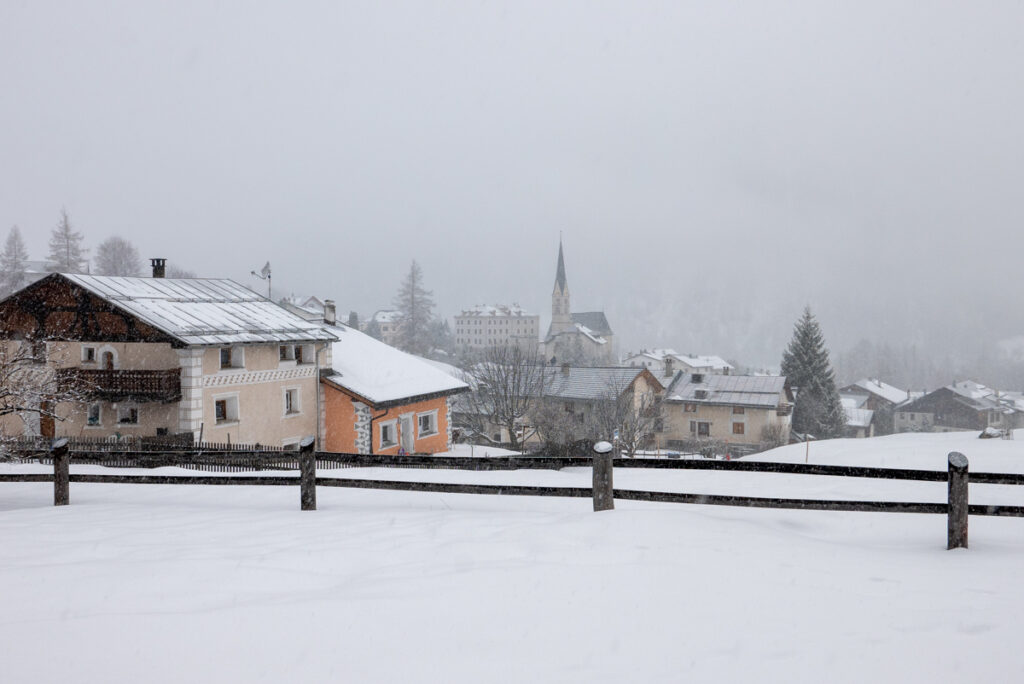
{"x": 373, "y": 418}
{"x": 316, "y": 390}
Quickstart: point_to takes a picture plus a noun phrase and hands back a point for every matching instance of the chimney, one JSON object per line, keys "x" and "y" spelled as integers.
{"x": 159, "y": 267}
{"x": 329, "y": 313}
{"x": 565, "y": 369}
{"x": 669, "y": 370}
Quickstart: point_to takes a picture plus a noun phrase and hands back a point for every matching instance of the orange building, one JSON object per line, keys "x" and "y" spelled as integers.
{"x": 380, "y": 400}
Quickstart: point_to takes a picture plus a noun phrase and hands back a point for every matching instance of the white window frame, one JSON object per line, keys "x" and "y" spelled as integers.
{"x": 99, "y": 414}
{"x": 393, "y": 424}
{"x": 127, "y": 407}
{"x": 115, "y": 360}
{"x": 296, "y": 403}
{"x": 231, "y": 406}
{"x": 420, "y": 434}
{"x": 307, "y": 352}
{"x": 95, "y": 357}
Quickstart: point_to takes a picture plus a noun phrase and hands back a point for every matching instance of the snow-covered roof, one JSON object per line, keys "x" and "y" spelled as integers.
{"x": 595, "y": 321}
{"x": 739, "y": 390}
{"x": 858, "y": 417}
{"x": 202, "y": 311}
{"x": 387, "y": 316}
{"x": 593, "y": 336}
{"x": 382, "y": 374}
{"x": 893, "y": 395}
{"x": 852, "y": 401}
{"x": 589, "y": 383}
{"x": 696, "y": 362}
{"x": 498, "y": 310}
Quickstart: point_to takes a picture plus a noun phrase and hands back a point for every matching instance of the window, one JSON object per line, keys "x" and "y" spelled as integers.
{"x": 291, "y": 401}
{"x": 304, "y": 353}
{"x": 737, "y": 428}
{"x": 287, "y": 352}
{"x": 689, "y": 408}
{"x": 127, "y": 415}
{"x": 94, "y": 416}
{"x": 109, "y": 362}
{"x": 225, "y": 410}
{"x": 693, "y": 427}
{"x": 232, "y": 357}
{"x": 738, "y": 410}
{"x": 388, "y": 434}
{"x": 703, "y": 429}
{"x": 88, "y": 354}
{"x": 427, "y": 423}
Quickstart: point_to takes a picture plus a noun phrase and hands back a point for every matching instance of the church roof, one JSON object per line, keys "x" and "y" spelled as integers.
{"x": 594, "y": 321}
{"x": 560, "y": 282}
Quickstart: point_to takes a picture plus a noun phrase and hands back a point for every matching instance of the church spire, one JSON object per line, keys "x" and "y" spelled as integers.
{"x": 560, "y": 284}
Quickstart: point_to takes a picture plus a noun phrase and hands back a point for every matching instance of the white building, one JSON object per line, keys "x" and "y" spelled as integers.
{"x": 668, "y": 361}
{"x": 486, "y": 326}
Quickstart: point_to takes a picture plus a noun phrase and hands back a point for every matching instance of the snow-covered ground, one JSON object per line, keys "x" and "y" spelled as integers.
{"x": 234, "y": 584}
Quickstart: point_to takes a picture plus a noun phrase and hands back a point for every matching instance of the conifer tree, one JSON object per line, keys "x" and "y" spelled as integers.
{"x": 353, "y": 320}
{"x": 416, "y": 307}
{"x": 806, "y": 365}
{"x": 12, "y": 263}
{"x": 66, "y": 253}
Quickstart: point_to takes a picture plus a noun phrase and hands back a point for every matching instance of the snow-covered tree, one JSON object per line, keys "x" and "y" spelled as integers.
{"x": 12, "y": 263}
{"x": 30, "y": 388}
{"x": 66, "y": 252}
{"x": 353, "y": 320}
{"x": 373, "y": 329}
{"x": 806, "y": 365}
{"x": 415, "y": 305}
{"x": 115, "y": 256}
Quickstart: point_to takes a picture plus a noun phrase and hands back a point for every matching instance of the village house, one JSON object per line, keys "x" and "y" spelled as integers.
{"x": 742, "y": 411}
{"x": 963, "y": 405}
{"x": 860, "y": 420}
{"x": 207, "y": 358}
{"x": 381, "y": 400}
{"x": 384, "y": 323}
{"x": 880, "y": 398}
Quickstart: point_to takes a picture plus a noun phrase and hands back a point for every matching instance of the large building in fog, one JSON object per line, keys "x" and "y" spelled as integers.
{"x": 486, "y": 326}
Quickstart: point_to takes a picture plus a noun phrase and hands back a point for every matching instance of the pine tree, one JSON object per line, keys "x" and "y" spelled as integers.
{"x": 12, "y": 263}
{"x": 66, "y": 253}
{"x": 353, "y": 320}
{"x": 806, "y": 365}
{"x": 115, "y": 256}
{"x": 416, "y": 308}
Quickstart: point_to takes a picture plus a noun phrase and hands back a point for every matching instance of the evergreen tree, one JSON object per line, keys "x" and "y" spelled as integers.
{"x": 353, "y": 320}
{"x": 416, "y": 308}
{"x": 116, "y": 256}
{"x": 373, "y": 329}
{"x": 806, "y": 365}
{"x": 66, "y": 253}
{"x": 12, "y": 263}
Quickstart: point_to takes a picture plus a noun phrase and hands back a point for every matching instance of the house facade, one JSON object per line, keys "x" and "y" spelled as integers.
{"x": 879, "y": 397}
{"x": 381, "y": 400}
{"x": 669, "y": 361}
{"x": 740, "y": 410}
{"x": 156, "y": 356}
{"x": 486, "y": 326}
{"x": 963, "y": 405}
{"x": 386, "y": 323}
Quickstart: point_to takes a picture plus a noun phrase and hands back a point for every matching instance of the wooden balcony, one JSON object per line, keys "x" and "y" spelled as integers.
{"x": 123, "y": 385}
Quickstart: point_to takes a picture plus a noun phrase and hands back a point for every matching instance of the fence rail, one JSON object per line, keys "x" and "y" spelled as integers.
{"x": 307, "y": 462}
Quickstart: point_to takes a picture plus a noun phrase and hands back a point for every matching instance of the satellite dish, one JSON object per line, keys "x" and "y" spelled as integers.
{"x": 603, "y": 447}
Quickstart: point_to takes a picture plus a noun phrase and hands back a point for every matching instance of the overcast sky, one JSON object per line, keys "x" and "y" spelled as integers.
{"x": 711, "y": 166}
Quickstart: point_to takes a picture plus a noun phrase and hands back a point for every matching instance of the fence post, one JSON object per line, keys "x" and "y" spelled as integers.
{"x": 59, "y": 452}
{"x": 604, "y": 493}
{"x": 957, "y": 523}
{"x": 307, "y": 473}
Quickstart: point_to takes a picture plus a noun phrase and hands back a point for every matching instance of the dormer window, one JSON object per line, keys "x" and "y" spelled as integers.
{"x": 697, "y": 378}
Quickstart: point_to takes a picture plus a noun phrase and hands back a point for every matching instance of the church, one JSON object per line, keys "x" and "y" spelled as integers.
{"x": 578, "y": 339}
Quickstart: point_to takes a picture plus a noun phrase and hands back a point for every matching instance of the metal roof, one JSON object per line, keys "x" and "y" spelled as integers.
{"x": 594, "y": 320}
{"x": 588, "y": 383}
{"x": 742, "y": 390}
{"x": 202, "y": 311}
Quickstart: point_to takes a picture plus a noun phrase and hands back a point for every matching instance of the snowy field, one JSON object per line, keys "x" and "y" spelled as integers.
{"x": 136, "y": 583}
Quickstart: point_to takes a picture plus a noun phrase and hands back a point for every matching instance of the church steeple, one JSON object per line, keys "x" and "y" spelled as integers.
{"x": 561, "y": 313}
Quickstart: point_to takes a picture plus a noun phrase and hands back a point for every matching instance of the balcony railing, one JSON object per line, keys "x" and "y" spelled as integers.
{"x": 123, "y": 385}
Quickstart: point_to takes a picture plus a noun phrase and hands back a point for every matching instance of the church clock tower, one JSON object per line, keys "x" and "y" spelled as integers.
{"x": 561, "y": 314}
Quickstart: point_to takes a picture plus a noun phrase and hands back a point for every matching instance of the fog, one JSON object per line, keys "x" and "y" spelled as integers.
{"x": 711, "y": 167}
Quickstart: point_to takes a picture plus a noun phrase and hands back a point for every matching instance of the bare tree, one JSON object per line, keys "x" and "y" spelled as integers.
{"x": 66, "y": 252}
{"x": 508, "y": 380}
{"x": 415, "y": 304}
{"x": 12, "y": 263}
{"x": 175, "y": 271}
{"x": 115, "y": 256}
{"x": 30, "y": 388}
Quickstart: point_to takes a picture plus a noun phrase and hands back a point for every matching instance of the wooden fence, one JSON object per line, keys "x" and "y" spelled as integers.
{"x": 957, "y": 507}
